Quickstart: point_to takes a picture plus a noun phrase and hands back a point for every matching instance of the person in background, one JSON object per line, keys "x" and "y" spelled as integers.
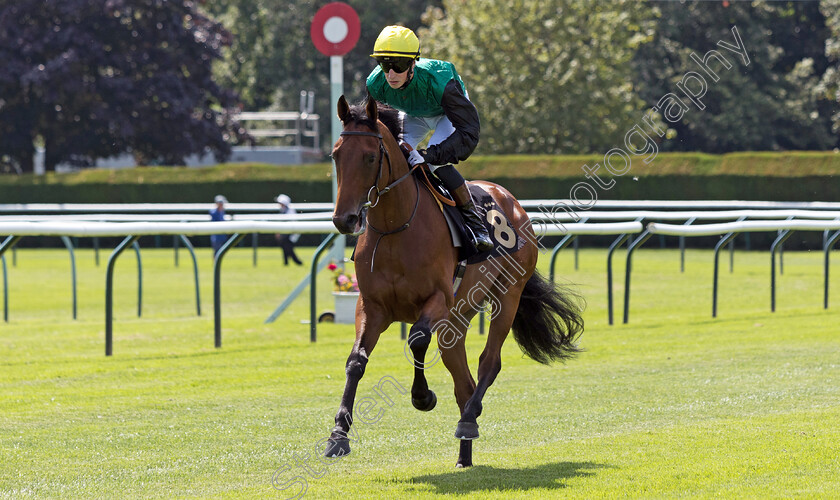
{"x": 218, "y": 214}
{"x": 287, "y": 241}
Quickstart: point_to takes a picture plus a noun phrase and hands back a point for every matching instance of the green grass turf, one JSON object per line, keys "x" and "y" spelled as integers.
{"x": 674, "y": 404}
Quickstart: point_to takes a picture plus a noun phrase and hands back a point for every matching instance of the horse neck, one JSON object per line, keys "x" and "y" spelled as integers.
{"x": 395, "y": 207}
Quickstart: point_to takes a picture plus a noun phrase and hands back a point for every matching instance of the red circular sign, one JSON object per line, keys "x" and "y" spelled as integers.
{"x": 335, "y": 29}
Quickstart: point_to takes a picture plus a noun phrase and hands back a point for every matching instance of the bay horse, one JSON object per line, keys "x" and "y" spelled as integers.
{"x": 405, "y": 262}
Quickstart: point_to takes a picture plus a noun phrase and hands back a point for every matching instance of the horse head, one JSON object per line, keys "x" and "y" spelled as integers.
{"x": 358, "y": 156}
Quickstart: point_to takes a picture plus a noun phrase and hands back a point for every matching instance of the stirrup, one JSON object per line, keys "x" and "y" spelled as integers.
{"x": 481, "y": 244}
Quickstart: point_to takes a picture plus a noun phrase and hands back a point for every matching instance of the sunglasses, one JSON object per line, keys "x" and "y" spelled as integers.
{"x": 399, "y": 65}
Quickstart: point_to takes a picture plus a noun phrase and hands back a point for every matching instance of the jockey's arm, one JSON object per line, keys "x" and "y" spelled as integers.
{"x": 464, "y": 117}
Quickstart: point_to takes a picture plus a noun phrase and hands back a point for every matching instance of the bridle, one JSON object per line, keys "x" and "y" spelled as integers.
{"x": 383, "y": 154}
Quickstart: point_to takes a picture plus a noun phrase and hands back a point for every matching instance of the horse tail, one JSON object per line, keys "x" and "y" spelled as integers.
{"x": 548, "y": 321}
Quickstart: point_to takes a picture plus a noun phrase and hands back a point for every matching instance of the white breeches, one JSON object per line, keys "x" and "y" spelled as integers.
{"x": 416, "y": 128}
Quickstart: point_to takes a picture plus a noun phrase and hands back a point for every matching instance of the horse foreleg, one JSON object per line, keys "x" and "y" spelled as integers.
{"x": 419, "y": 338}
{"x": 418, "y": 341}
{"x": 368, "y": 327}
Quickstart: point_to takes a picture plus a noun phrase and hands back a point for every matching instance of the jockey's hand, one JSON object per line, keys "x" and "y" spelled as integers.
{"x": 415, "y": 158}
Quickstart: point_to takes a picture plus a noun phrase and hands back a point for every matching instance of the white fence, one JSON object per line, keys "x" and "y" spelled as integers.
{"x": 135, "y": 220}
{"x": 547, "y": 206}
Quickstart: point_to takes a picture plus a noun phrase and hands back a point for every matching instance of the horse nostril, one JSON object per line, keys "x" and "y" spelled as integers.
{"x": 347, "y": 223}
{"x": 350, "y": 221}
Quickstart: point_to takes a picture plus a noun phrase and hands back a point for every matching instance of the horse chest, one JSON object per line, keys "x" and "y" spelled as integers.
{"x": 403, "y": 295}
{"x": 398, "y": 288}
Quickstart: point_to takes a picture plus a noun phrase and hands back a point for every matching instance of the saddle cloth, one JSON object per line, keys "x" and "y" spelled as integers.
{"x": 505, "y": 237}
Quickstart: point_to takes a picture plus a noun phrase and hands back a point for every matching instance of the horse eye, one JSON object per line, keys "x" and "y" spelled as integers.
{"x": 370, "y": 158}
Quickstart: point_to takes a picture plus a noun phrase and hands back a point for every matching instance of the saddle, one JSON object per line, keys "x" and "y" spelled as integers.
{"x": 504, "y": 240}
{"x": 505, "y": 237}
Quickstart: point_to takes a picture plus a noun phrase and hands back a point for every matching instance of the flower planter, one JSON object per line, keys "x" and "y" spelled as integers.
{"x": 345, "y": 307}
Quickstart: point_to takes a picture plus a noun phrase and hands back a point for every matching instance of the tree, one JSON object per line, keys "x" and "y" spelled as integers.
{"x": 830, "y": 85}
{"x": 93, "y": 78}
{"x": 272, "y": 57}
{"x": 547, "y": 76}
{"x": 770, "y": 104}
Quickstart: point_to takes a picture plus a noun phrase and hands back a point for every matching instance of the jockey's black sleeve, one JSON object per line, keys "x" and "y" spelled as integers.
{"x": 464, "y": 117}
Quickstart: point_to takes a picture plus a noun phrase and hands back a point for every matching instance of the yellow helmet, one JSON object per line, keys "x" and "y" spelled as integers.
{"x": 396, "y": 41}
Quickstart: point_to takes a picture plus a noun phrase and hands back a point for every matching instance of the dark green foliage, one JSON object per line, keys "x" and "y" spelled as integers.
{"x": 93, "y": 78}
{"x": 547, "y": 76}
{"x": 770, "y": 104}
{"x": 829, "y": 88}
{"x": 90, "y": 78}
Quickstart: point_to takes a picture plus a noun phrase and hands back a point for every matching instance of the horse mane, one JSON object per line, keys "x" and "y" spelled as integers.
{"x": 389, "y": 117}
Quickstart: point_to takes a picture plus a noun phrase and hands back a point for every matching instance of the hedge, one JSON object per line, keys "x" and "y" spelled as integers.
{"x": 790, "y": 176}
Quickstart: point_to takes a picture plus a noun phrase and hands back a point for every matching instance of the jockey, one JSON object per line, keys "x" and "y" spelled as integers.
{"x": 431, "y": 98}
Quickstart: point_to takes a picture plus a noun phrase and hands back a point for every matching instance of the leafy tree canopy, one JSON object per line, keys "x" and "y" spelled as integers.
{"x": 770, "y": 104}
{"x": 93, "y": 78}
{"x": 829, "y": 87}
{"x": 547, "y": 76}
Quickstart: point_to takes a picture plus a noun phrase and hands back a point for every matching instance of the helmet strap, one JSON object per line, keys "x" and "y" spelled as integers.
{"x": 410, "y": 76}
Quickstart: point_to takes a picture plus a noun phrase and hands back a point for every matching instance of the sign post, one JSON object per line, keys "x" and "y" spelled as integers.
{"x": 335, "y": 30}
{"x": 336, "y": 90}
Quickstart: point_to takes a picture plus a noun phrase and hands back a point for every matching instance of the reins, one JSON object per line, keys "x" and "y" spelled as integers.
{"x": 443, "y": 199}
{"x": 383, "y": 153}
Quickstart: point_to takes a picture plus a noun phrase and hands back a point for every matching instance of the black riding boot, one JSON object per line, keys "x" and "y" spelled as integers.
{"x": 455, "y": 184}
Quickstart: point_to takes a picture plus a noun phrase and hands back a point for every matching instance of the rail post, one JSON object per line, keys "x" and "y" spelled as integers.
{"x": 190, "y": 248}
{"x": 8, "y": 243}
{"x": 69, "y": 245}
{"x": 255, "y": 243}
{"x": 109, "y": 292}
{"x": 217, "y": 287}
{"x": 646, "y": 234}
{"x": 313, "y": 273}
{"x": 615, "y": 244}
{"x": 682, "y": 245}
{"x": 563, "y": 243}
{"x": 175, "y": 240}
{"x": 720, "y": 244}
{"x": 827, "y": 247}
{"x": 136, "y": 247}
{"x": 783, "y": 235}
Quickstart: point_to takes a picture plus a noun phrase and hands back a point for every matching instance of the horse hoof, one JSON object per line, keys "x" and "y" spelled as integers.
{"x": 460, "y": 465}
{"x": 467, "y": 431}
{"x": 337, "y": 448}
{"x": 426, "y": 404}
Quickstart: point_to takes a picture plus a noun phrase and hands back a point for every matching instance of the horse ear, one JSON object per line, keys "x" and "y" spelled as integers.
{"x": 372, "y": 110}
{"x": 343, "y": 108}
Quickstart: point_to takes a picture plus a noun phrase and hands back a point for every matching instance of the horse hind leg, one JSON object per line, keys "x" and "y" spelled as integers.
{"x": 451, "y": 335}
{"x": 489, "y": 363}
